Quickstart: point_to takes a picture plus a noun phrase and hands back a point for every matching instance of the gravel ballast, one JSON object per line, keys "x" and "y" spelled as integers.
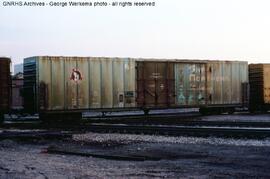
{"x": 178, "y": 157}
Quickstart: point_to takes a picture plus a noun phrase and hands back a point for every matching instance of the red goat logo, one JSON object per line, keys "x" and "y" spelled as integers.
{"x": 76, "y": 75}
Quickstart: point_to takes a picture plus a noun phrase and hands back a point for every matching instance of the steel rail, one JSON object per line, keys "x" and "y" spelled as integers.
{"x": 183, "y": 130}
{"x": 138, "y": 122}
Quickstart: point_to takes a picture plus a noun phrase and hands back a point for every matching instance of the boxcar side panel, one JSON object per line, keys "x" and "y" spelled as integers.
{"x": 236, "y": 83}
{"x": 129, "y": 82}
{"x": 170, "y": 82}
{"x": 106, "y": 83}
{"x": 58, "y": 83}
{"x": 71, "y": 87}
{"x": 200, "y": 84}
{"x": 118, "y": 82}
{"x": 244, "y": 88}
{"x": 45, "y": 83}
{"x": 209, "y": 83}
{"x": 83, "y": 83}
{"x": 227, "y": 82}
{"x": 214, "y": 77}
{"x": 218, "y": 84}
{"x": 190, "y": 84}
{"x": 95, "y": 83}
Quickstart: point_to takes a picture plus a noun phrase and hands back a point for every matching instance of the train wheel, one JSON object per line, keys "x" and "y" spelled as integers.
{"x": 264, "y": 109}
{"x": 216, "y": 111}
{"x": 51, "y": 118}
{"x": 204, "y": 111}
{"x": 251, "y": 110}
{"x": 146, "y": 111}
{"x": 231, "y": 110}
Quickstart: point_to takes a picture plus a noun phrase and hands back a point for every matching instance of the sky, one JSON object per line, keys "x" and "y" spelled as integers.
{"x": 182, "y": 29}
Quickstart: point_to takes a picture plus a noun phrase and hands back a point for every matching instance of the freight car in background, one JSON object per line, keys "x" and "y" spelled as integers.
{"x": 17, "y": 88}
{"x": 259, "y": 79}
{"x": 64, "y": 87}
{"x": 5, "y": 82}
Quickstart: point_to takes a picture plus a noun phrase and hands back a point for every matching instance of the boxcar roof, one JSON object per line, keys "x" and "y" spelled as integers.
{"x": 143, "y": 59}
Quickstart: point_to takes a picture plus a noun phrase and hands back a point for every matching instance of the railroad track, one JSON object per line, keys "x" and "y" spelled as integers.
{"x": 186, "y": 123}
{"x": 22, "y": 135}
{"x": 181, "y": 128}
{"x": 128, "y": 119}
{"x": 199, "y": 131}
{"x": 182, "y": 119}
{"x": 38, "y": 124}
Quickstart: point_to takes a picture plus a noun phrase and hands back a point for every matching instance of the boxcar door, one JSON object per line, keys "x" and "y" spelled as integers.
{"x": 155, "y": 84}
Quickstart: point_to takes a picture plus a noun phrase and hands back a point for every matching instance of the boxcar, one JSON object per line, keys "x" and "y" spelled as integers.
{"x": 259, "y": 79}
{"x": 66, "y": 86}
{"x": 5, "y": 85}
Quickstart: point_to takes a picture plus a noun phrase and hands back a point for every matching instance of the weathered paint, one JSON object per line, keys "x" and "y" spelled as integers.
{"x": 190, "y": 83}
{"x": 235, "y": 83}
{"x": 153, "y": 84}
{"x": 77, "y": 83}
{"x": 95, "y": 83}
{"x": 101, "y": 83}
{"x": 244, "y": 83}
{"x": 215, "y": 79}
{"x": 57, "y": 83}
{"x": 45, "y": 82}
{"x": 83, "y": 84}
{"x": 224, "y": 82}
{"x": 118, "y": 85}
{"x": 71, "y": 88}
{"x": 129, "y": 82}
{"x": 226, "y": 85}
{"x": 107, "y": 83}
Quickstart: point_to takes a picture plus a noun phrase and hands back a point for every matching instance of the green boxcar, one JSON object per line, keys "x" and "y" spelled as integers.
{"x": 67, "y": 84}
